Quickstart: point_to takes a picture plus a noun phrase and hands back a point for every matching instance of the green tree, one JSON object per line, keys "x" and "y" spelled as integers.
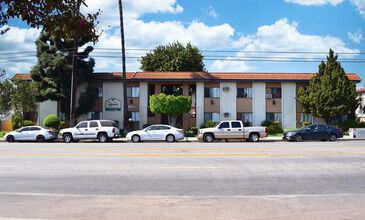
{"x": 22, "y": 98}
{"x": 6, "y": 88}
{"x": 330, "y": 93}
{"x": 173, "y": 58}
{"x": 53, "y": 71}
{"x": 49, "y": 14}
{"x": 171, "y": 105}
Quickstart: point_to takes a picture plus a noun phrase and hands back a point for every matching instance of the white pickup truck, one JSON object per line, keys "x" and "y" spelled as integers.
{"x": 232, "y": 130}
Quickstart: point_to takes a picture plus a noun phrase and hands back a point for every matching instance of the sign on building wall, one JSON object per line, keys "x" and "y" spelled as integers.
{"x": 112, "y": 104}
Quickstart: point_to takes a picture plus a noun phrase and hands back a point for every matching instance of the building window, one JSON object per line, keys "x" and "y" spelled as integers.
{"x": 244, "y": 92}
{"x": 276, "y": 93}
{"x": 99, "y": 91}
{"x": 273, "y": 117}
{"x": 211, "y": 92}
{"x": 132, "y": 92}
{"x": 246, "y": 117}
{"x": 133, "y": 116}
{"x": 95, "y": 115}
{"x": 305, "y": 117}
{"x": 211, "y": 116}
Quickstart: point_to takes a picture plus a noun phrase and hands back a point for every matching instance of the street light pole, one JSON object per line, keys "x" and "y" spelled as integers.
{"x": 74, "y": 71}
{"x": 125, "y": 104}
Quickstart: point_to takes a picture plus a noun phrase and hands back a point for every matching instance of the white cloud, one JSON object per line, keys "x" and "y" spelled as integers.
{"x": 230, "y": 65}
{"x": 357, "y": 36}
{"x": 211, "y": 12}
{"x": 13, "y": 44}
{"x": 360, "y": 6}
{"x": 315, "y": 2}
{"x": 282, "y": 36}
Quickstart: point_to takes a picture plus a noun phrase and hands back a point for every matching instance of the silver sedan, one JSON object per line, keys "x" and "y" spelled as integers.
{"x": 156, "y": 133}
{"x": 31, "y": 133}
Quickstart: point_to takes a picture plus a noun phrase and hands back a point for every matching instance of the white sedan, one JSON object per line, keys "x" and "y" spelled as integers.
{"x": 156, "y": 133}
{"x": 31, "y": 133}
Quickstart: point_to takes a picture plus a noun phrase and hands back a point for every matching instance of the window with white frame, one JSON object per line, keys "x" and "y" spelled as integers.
{"x": 244, "y": 92}
{"x": 132, "y": 92}
{"x": 133, "y": 116}
{"x": 273, "y": 117}
{"x": 95, "y": 115}
{"x": 246, "y": 117}
{"x": 211, "y": 116}
{"x": 211, "y": 92}
{"x": 305, "y": 117}
{"x": 99, "y": 91}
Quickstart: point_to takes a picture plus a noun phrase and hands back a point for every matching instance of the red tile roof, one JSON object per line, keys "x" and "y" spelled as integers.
{"x": 204, "y": 76}
{"x": 23, "y": 76}
{"x": 201, "y": 76}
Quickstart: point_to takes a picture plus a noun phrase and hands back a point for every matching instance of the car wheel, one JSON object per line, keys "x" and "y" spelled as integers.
{"x": 102, "y": 138}
{"x": 40, "y": 138}
{"x": 170, "y": 138}
{"x": 10, "y": 139}
{"x": 136, "y": 138}
{"x": 67, "y": 138}
{"x": 298, "y": 137}
{"x": 332, "y": 137}
{"x": 254, "y": 137}
{"x": 208, "y": 137}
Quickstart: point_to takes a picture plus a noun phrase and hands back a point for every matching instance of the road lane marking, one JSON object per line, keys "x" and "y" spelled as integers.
{"x": 181, "y": 149}
{"x": 191, "y": 167}
{"x": 182, "y": 155}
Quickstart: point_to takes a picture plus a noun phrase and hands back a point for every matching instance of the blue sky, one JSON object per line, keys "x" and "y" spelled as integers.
{"x": 231, "y": 25}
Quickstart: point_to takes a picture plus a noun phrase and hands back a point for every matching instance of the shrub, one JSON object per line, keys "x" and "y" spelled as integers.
{"x": 246, "y": 123}
{"x": 52, "y": 121}
{"x": 2, "y": 133}
{"x": 305, "y": 124}
{"x": 194, "y": 130}
{"x": 64, "y": 124}
{"x": 210, "y": 124}
{"x": 350, "y": 123}
{"x": 26, "y": 123}
{"x": 189, "y": 134}
{"x": 362, "y": 125}
{"x": 267, "y": 123}
{"x": 274, "y": 129}
{"x": 15, "y": 120}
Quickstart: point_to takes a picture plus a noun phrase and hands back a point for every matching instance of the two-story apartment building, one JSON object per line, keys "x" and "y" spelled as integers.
{"x": 252, "y": 97}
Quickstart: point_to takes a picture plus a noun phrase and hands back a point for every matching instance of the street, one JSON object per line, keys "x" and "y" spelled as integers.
{"x": 157, "y": 180}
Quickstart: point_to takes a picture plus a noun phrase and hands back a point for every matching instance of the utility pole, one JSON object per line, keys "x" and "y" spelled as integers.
{"x": 74, "y": 70}
{"x": 125, "y": 104}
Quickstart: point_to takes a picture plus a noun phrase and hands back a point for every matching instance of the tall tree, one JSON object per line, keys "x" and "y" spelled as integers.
{"x": 330, "y": 93}
{"x": 171, "y": 105}
{"x": 22, "y": 97}
{"x": 50, "y": 14}
{"x": 6, "y": 88}
{"x": 53, "y": 71}
{"x": 173, "y": 58}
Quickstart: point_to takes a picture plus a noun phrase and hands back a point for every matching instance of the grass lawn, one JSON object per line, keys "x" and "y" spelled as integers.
{"x": 275, "y": 134}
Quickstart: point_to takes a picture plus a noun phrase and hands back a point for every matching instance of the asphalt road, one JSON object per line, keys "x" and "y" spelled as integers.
{"x": 322, "y": 178}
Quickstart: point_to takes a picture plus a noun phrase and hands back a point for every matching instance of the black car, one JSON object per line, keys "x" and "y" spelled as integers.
{"x": 314, "y": 132}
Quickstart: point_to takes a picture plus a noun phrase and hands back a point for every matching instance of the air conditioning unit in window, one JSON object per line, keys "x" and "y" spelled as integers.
{"x": 225, "y": 89}
{"x": 268, "y": 96}
{"x": 226, "y": 114}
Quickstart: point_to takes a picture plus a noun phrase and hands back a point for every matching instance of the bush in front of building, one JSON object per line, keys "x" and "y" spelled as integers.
{"x": 26, "y": 123}
{"x": 194, "y": 130}
{"x": 52, "y": 121}
{"x": 2, "y": 133}
{"x": 267, "y": 123}
{"x": 350, "y": 123}
{"x": 209, "y": 124}
{"x": 274, "y": 129}
{"x": 189, "y": 133}
{"x": 305, "y": 124}
{"x": 15, "y": 121}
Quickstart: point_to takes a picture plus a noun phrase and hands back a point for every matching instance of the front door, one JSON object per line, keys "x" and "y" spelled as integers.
{"x": 150, "y": 133}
